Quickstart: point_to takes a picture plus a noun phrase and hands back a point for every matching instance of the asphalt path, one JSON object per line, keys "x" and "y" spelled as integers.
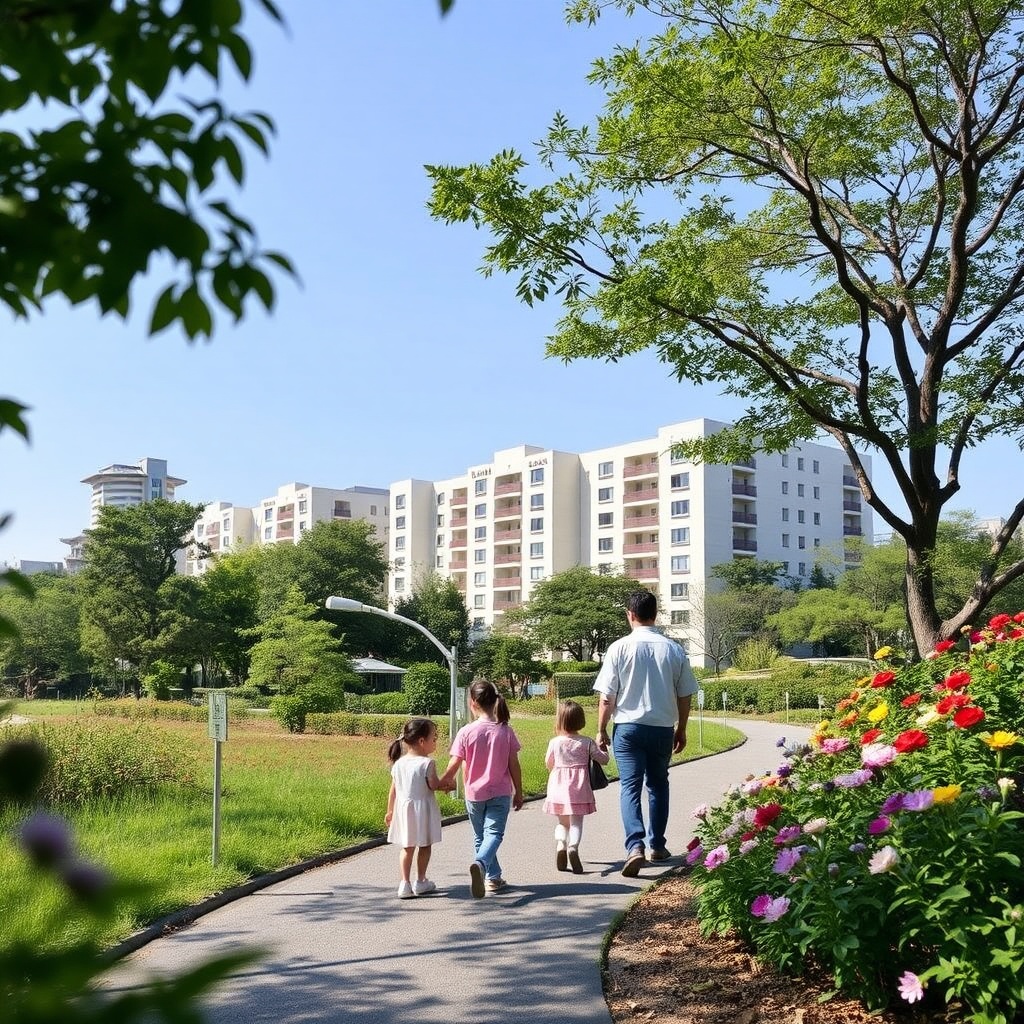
{"x": 338, "y": 946}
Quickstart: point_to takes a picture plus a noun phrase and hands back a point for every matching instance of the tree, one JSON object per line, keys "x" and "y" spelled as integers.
{"x": 719, "y": 622}
{"x": 576, "y": 611}
{"x": 438, "y": 605}
{"x": 869, "y": 283}
{"x": 823, "y": 616}
{"x": 130, "y": 554}
{"x": 505, "y": 656}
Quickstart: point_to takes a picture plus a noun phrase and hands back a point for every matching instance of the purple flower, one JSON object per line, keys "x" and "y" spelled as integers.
{"x": 988, "y": 793}
{"x": 695, "y": 854}
{"x": 893, "y": 804}
{"x": 857, "y": 847}
{"x": 787, "y": 859}
{"x": 784, "y": 771}
{"x": 919, "y": 800}
{"x": 787, "y": 835}
{"x": 760, "y": 905}
{"x": 775, "y": 910}
{"x": 781, "y": 741}
{"x": 853, "y": 779}
{"x": 718, "y": 856}
{"x": 883, "y": 860}
{"x": 911, "y": 987}
{"x": 46, "y": 839}
{"x": 828, "y": 786}
{"x": 85, "y": 880}
{"x": 879, "y": 825}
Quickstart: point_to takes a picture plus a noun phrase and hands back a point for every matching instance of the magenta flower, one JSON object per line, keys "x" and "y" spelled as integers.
{"x": 834, "y": 745}
{"x": 787, "y": 859}
{"x": 695, "y": 854}
{"x": 718, "y": 856}
{"x": 877, "y": 755}
{"x": 879, "y": 825}
{"x": 760, "y": 905}
{"x": 787, "y": 835}
{"x": 893, "y": 804}
{"x": 911, "y": 987}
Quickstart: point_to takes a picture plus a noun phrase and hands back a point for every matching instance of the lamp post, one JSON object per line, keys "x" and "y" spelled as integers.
{"x": 347, "y": 604}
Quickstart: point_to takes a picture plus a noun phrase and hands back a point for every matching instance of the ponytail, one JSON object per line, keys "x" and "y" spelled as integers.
{"x": 413, "y": 730}
{"x": 394, "y": 750}
{"x": 486, "y": 695}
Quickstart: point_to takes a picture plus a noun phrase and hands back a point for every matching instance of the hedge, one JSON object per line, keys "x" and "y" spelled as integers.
{"x": 174, "y": 711}
{"x": 345, "y": 723}
{"x": 574, "y": 684}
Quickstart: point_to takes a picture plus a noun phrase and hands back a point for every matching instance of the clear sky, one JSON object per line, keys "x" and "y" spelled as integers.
{"x": 394, "y": 357}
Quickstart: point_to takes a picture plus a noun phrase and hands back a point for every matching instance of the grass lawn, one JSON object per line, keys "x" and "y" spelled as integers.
{"x": 285, "y": 797}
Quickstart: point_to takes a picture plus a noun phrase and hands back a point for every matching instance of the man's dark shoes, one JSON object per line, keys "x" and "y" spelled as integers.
{"x": 657, "y": 855}
{"x": 635, "y": 860}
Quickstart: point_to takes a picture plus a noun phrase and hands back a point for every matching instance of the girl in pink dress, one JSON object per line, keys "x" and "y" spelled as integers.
{"x": 569, "y": 795}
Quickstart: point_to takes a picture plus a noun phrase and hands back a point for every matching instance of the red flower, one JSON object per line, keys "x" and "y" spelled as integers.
{"x": 693, "y": 843}
{"x": 882, "y": 679}
{"x": 954, "y": 700}
{"x": 848, "y": 720}
{"x": 976, "y": 636}
{"x": 870, "y": 736}
{"x": 1019, "y": 617}
{"x": 944, "y": 645}
{"x": 957, "y": 680}
{"x": 966, "y": 717}
{"x": 909, "y": 702}
{"x": 912, "y": 739}
{"x": 998, "y": 621}
{"x": 746, "y": 836}
{"x": 766, "y": 814}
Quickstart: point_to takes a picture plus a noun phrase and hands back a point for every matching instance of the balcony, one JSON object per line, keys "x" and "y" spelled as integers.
{"x": 851, "y": 506}
{"x": 458, "y": 542}
{"x": 515, "y": 558}
{"x": 747, "y": 490}
{"x": 852, "y": 556}
{"x": 503, "y": 536}
{"x": 638, "y": 522}
{"x": 746, "y": 463}
{"x": 458, "y": 521}
{"x": 747, "y": 518}
{"x": 508, "y": 511}
{"x": 502, "y": 604}
{"x": 642, "y": 572}
{"x": 456, "y": 565}
{"x": 850, "y": 481}
{"x": 649, "y": 468}
{"x": 508, "y": 582}
{"x": 633, "y": 497}
{"x": 459, "y": 499}
{"x": 286, "y": 512}
{"x": 510, "y": 487}
{"x": 852, "y": 531}
{"x": 639, "y": 549}
{"x": 738, "y": 544}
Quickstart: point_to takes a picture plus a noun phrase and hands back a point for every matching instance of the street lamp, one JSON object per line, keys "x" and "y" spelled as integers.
{"x": 347, "y": 604}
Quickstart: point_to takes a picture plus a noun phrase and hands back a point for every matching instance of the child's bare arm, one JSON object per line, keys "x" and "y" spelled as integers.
{"x": 517, "y": 780}
{"x": 435, "y": 783}
{"x": 391, "y": 805}
{"x": 447, "y": 781}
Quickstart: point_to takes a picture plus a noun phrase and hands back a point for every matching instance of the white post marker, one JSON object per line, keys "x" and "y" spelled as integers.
{"x": 700, "y": 718}
{"x": 218, "y": 728}
{"x": 787, "y": 707}
{"x": 725, "y": 701}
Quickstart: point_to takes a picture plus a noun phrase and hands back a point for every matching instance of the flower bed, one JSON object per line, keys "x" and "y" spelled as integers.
{"x": 888, "y": 850}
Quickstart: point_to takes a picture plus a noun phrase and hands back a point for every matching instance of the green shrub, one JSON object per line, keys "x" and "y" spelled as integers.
{"x": 172, "y": 711}
{"x": 756, "y": 653}
{"x": 575, "y": 666}
{"x": 427, "y": 687}
{"x": 344, "y": 723}
{"x": 290, "y": 710}
{"x": 162, "y": 677}
{"x": 384, "y": 704}
{"x": 313, "y": 697}
{"x": 574, "y": 684}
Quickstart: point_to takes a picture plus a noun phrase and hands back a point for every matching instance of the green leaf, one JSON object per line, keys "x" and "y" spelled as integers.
{"x": 164, "y": 310}
{"x": 10, "y": 417}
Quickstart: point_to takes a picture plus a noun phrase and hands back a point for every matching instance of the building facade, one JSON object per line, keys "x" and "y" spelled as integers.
{"x": 503, "y": 526}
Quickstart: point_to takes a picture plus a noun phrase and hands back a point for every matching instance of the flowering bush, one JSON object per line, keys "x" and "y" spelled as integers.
{"x": 888, "y": 849}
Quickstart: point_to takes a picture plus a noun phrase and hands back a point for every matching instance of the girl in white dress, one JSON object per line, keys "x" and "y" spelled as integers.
{"x": 413, "y": 817}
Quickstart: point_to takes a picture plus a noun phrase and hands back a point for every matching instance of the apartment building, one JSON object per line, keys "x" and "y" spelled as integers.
{"x": 284, "y": 517}
{"x": 501, "y": 527}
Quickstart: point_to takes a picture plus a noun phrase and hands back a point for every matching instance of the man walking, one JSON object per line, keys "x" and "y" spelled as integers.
{"x": 646, "y": 685}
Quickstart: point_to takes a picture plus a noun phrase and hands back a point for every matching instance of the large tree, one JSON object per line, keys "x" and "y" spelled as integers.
{"x": 818, "y": 205}
{"x": 437, "y": 604}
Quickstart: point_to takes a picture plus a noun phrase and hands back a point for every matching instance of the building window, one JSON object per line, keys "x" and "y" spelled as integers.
{"x": 536, "y": 572}
{"x": 785, "y": 462}
{"x": 679, "y": 508}
{"x": 399, "y": 522}
{"x": 479, "y": 486}
{"x": 676, "y": 458}
{"x": 785, "y": 540}
{"x": 605, "y": 470}
{"x": 605, "y": 518}
{"x": 536, "y": 476}
{"x": 799, "y": 463}
{"x": 680, "y": 591}
{"x": 480, "y": 511}
{"x": 815, "y": 466}
{"x": 480, "y": 555}
{"x": 343, "y": 509}
{"x": 681, "y": 535}
{"x": 604, "y": 493}
{"x": 785, "y": 568}
{"x": 479, "y": 579}
{"x": 373, "y": 510}
{"x": 302, "y": 505}
{"x": 225, "y": 542}
{"x": 537, "y": 524}
{"x": 802, "y": 569}
{"x": 536, "y": 502}
{"x": 440, "y": 541}
{"x": 268, "y": 533}
{"x": 680, "y": 563}
{"x": 785, "y": 515}
{"x": 800, "y": 515}
{"x": 439, "y": 561}
{"x": 399, "y": 583}
{"x": 440, "y": 497}
{"x": 303, "y": 526}
{"x": 817, "y": 493}
{"x": 400, "y": 562}
{"x": 785, "y": 487}
{"x": 399, "y": 543}
{"x": 799, "y": 490}
{"x": 199, "y": 530}
{"x": 399, "y": 501}
{"x": 604, "y": 545}
{"x": 604, "y": 569}
{"x": 268, "y": 515}
{"x": 801, "y": 542}
{"x": 478, "y": 600}
{"x": 680, "y": 617}
{"x": 479, "y": 533}
{"x": 679, "y": 481}
{"x": 440, "y": 519}
{"x": 817, "y": 519}
{"x": 537, "y": 550}
{"x": 817, "y": 542}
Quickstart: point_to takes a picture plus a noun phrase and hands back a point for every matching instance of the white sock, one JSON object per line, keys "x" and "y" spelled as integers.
{"x": 560, "y": 833}
{"x": 575, "y": 829}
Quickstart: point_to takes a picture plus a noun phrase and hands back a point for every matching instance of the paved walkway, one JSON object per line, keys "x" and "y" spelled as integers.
{"x": 340, "y": 947}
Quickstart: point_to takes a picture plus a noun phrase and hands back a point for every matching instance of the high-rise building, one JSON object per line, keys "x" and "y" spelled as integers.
{"x": 500, "y": 527}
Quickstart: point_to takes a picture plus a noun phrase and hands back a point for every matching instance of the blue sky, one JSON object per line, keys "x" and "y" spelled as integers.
{"x": 394, "y": 357}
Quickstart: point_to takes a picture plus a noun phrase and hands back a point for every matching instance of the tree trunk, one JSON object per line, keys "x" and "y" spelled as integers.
{"x": 919, "y": 588}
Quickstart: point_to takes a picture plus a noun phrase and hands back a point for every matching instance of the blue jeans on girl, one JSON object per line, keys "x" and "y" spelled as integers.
{"x": 488, "y": 818}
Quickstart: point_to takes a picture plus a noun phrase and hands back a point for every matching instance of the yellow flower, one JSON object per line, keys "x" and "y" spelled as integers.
{"x": 992, "y": 667}
{"x": 883, "y": 652}
{"x": 1000, "y": 739}
{"x": 946, "y": 794}
{"x": 929, "y": 717}
{"x": 878, "y": 713}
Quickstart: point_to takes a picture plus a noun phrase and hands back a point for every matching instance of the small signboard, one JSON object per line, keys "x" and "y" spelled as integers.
{"x": 700, "y": 698}
{"x": 218, "y": 720}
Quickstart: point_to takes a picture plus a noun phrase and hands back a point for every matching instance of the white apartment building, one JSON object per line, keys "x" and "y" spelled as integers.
{"x": 502, "y": 526}
{"x": 284, "y": 517}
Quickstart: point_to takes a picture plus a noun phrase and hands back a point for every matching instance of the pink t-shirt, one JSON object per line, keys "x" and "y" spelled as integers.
{"x": 485, "y": 748}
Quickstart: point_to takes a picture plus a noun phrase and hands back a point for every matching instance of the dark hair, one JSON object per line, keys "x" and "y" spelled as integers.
{"x": 486, "y": 695}
{"x": 570, "y": 717}
{"x": 643, "y": 604}
{"x": 413, "y": 730}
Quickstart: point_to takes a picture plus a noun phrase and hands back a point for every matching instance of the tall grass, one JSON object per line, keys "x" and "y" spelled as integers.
{"x": 285, "y": 797}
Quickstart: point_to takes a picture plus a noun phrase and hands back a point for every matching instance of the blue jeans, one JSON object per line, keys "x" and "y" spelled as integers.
{"x": 488, "y": 819}
{"x": 642, "y": 755}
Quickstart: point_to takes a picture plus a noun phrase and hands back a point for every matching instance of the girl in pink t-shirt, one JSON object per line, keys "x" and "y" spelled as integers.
{"x": 488, "y": 751}
{"x": 569, "y": 796}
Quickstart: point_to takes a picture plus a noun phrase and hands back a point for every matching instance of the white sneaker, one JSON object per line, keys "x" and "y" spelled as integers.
{"x": 405, "y": 891}
{"x": 423, "y": 886}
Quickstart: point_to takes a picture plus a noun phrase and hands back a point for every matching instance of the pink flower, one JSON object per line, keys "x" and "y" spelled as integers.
{"x": 877, "y": 755}
{"x": 718, "y": 856}
{"x": 883, "y": 860}
{"x": 911, "y": 987}
{"x": 787, "y": 860}
{"x": 834, "y": 746}
{"x": 760, "y": 905}
{"x": 695, "y": 854}
{"x": 747, "y": 846}
{"x": 879, "y": 825}
{"x": 776, "y": 909}
{"x": 787, "y": 835}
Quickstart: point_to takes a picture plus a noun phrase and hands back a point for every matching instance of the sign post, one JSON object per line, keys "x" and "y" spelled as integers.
{"x": 700, "y": 718}
{"x": 218, "y": 729}
{"x": 725, "y": 709}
